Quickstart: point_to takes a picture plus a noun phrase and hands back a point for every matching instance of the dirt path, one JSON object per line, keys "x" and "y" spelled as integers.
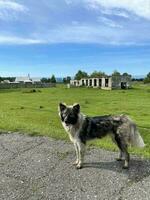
{"x": 40, "y": 168}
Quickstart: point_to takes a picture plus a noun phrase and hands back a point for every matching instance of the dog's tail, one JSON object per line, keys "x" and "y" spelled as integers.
{"x": 136, "y": 139}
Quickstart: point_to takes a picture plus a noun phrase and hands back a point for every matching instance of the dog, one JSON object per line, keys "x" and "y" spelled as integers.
{"x": 82, "y": 128}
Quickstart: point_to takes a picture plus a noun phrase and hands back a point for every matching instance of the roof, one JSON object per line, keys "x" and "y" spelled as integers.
{"x": 36, "y": 79}
{"x": 22, "y": 79}
{"x": 27, "y": 79}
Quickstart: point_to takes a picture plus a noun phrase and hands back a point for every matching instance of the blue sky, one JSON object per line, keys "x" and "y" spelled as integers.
{"x": 62, "y": 36}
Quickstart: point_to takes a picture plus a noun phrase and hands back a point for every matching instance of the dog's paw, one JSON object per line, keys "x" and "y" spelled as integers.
{"x": 125, "y": 167}
{"x": 119, "y": 159}
{"x": 75, "y": 162}
{"x": 79, "y": 166}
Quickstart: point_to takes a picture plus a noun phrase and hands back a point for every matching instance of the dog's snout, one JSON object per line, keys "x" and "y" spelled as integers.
{"x": 66, "y": 120}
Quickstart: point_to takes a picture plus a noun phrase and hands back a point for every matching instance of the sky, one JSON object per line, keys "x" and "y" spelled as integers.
{"x": 60, "y": 37}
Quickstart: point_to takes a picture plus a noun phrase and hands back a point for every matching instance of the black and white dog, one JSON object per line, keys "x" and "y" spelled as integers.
{"x": 82, "y": 128}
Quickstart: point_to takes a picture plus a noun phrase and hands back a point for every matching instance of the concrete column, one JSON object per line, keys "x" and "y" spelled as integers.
{"x": 88, "y": 82}
{"x": 103, "y": 82}
{"x": 110, "y": 83}
{"x": 97, "y": 83}
{"x": 92, "y": 82}
{"x": 80, "y": 83}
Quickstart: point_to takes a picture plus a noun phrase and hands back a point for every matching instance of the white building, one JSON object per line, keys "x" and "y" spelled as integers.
{"x": 27, "y": 79}
{"x": 5, "y": 81}
{"x": 107, "y": 83}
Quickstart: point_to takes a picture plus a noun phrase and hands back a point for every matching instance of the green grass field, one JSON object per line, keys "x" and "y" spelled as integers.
{"x": 37, "y": 113}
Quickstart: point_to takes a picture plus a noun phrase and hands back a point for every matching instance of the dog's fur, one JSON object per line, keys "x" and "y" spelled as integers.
{"x": 82, "y": 128}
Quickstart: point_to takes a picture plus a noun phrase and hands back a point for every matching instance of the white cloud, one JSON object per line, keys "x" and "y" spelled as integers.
{"x": 109, "y": 22}
{"x": 68, "y": 2}
{"x": 10, "y": 5}
{"x": 9, "y": 9}
{"x": 42, "y": 24}
{"x": 122, "y": 14}
{"x": 18, "y": 40}
{"x": 115, "y": 13}
{"x": 138, "y": 7}
{"x": 99, "y": 34}
{"x": 74, "y": 22}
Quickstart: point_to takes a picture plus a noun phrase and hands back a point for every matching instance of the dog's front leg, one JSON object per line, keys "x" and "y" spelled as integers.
{"x": 77, "y": 154}
{"x": 81, "y": 150}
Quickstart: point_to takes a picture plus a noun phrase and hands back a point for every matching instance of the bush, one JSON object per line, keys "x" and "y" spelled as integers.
{"x": 147, "y": 79}
{"x": 31, "y": 91}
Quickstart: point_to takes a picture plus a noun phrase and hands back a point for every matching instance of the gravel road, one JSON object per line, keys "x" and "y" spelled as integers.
{"x": 37, "y": 168}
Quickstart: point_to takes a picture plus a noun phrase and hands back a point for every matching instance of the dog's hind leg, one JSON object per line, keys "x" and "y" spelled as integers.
{"x": 81, "y": 149}
{"x": 121, "y": 156}
{"x": 123, "y": 148}
{"x": 77, "y": 154}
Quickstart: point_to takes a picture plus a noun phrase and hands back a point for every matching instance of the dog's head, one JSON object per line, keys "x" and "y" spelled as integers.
{"x": 69, "y": 114}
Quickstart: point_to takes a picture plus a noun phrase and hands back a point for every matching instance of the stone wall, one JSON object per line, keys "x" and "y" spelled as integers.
{"x": 117, "y": 80}
{"x": 26, "y": 85}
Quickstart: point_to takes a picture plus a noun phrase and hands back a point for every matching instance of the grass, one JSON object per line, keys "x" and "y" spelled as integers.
{"x": 35, "y": 111}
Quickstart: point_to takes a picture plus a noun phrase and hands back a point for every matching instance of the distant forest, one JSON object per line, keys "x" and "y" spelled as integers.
{"x": 11, "y": 79}
{"x": 82, "y": 74}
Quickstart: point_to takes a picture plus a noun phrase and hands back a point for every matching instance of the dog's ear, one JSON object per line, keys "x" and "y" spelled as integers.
{"x": 62, "y": 106}
{"x": 76, "y": 108}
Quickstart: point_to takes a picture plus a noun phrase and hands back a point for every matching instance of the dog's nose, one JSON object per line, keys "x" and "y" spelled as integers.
{"x": 66, "y": 122}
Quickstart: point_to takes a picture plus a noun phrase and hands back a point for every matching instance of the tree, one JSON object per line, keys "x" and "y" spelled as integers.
{"x": 127, "y": 75}
{"x": 147, "y": 79}
{"x": 45, "y": 80}
{"x": 97, "y": 74}
{"x": 66, "y": 79}
{"x": 116, "y": 73}
{"x": 53, "y": 79}
{"x": 81, "y": 74}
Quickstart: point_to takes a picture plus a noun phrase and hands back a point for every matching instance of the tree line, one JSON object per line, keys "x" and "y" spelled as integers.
{"x": 82, "y": 74}
{"x": 43, "y": 80}
{"x": 97, "y": 74}
{"x": 11, "y": 79}
{"x": 49, "y": 80}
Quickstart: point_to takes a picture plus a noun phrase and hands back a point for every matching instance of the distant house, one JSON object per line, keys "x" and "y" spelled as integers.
{"x": 25, "y": 82}
{"x": 36, "y": 80}
{"x": 6, "y": 81}
{"x": 107, "y": 83}
{"x": 27, "y": 79}
{"x": 23, "y": 79}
